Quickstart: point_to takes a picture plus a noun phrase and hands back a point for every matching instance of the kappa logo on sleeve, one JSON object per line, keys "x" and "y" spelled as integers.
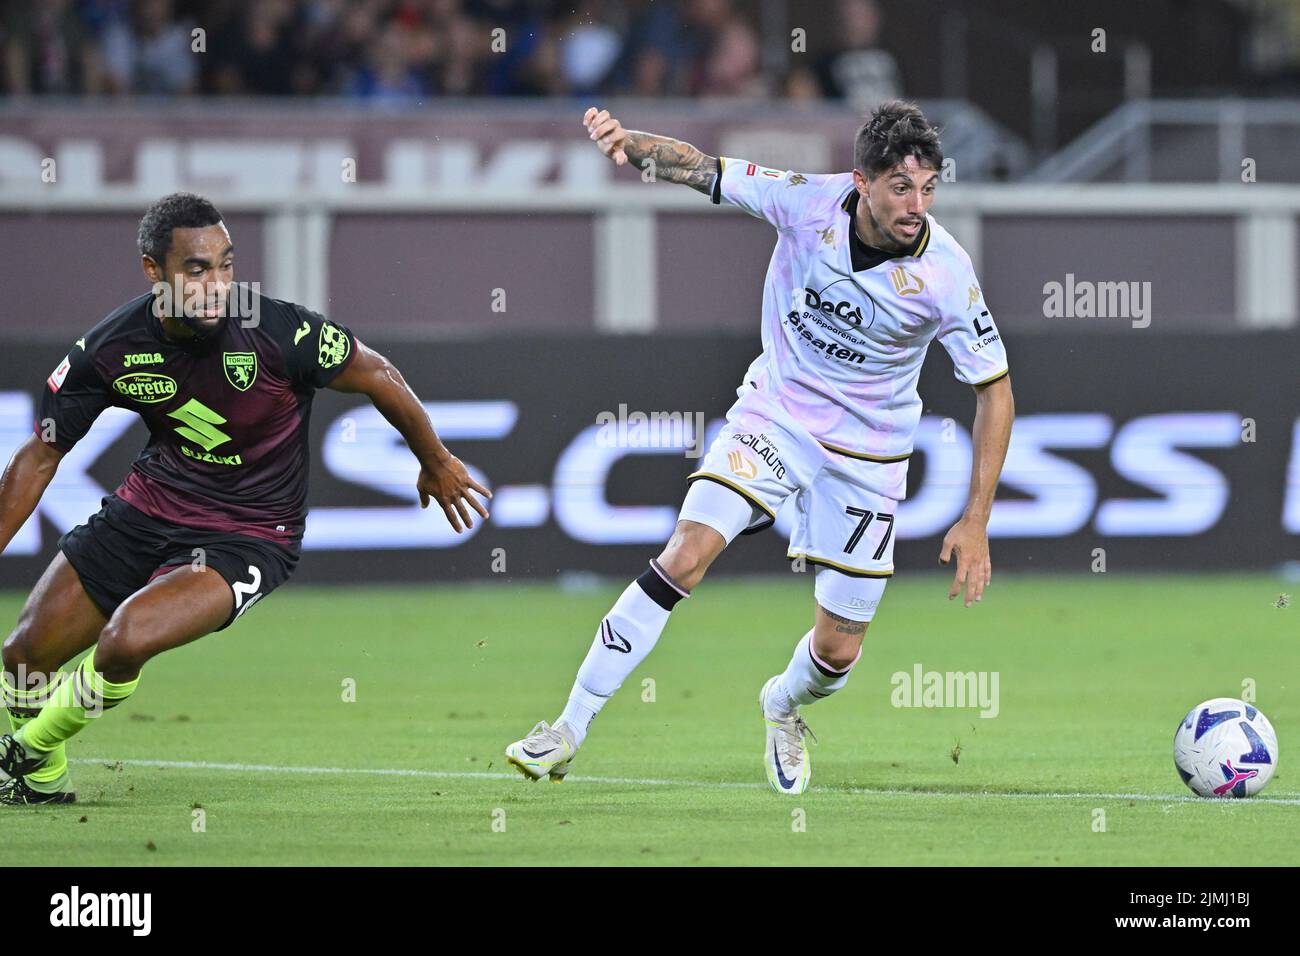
{"x": 334, "y": 346}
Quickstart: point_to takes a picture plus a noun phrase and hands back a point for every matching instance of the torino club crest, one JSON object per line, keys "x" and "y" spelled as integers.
{"x": 241, "y": 369}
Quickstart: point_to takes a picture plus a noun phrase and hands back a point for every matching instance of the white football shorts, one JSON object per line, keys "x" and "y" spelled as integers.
{"x": 762, "y": 457}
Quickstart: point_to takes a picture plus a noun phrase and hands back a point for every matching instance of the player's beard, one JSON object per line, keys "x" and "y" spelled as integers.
{"x": 202, "y": 326}
{"x": 200, "y": 331}
{"x": 897, "y": 243}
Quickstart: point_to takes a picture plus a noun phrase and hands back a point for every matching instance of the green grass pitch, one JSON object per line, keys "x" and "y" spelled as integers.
{"x": 252, "y": 727}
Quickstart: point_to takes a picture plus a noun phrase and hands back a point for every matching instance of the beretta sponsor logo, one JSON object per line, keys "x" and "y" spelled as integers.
{"x": 147, "y": 387}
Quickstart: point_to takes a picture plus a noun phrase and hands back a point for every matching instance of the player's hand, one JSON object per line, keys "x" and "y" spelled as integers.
{"x": 970, "y": 541}
{"x": 449, "y": 484}
{"x": 608, "y": 133}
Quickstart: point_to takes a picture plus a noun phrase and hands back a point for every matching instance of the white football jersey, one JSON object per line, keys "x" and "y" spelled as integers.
{"x": 845, "y": 326}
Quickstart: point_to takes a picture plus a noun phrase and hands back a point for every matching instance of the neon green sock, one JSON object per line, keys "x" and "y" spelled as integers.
{"x": 75, "y": 702}
{"x": 23, "y": 706}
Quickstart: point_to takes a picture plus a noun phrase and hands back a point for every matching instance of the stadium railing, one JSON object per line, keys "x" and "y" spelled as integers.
{"x": 297, "y": 228}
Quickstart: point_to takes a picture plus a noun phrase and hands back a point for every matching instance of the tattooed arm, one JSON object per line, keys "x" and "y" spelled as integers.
{"x": 674, "y": 161}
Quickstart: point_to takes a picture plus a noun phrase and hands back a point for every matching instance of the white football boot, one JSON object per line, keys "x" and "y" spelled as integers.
{"x": 546, "y": 751}
{"x": 788, "y": 763}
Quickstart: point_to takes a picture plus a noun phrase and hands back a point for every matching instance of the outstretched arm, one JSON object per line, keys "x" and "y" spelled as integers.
{"x": 25, "y": 479}
{"x": 443, "y": 477}
{"x": 674, "y": 161}
{"x": 994, "y": 411}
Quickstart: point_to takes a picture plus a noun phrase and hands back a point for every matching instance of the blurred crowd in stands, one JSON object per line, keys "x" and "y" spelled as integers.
{"x": 407, "y": 50}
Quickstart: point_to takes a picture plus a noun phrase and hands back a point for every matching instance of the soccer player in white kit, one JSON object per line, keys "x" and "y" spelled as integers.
{"x": 860, "y": 282}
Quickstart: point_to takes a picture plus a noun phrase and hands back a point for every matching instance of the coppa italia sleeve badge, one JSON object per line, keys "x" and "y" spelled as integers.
{"x": 55, "y": 381}
{"x": 334, "y": 346}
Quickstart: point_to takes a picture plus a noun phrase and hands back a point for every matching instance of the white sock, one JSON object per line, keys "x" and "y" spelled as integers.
{"x": 806, "y": 680}
{"x": 626, "y": 635}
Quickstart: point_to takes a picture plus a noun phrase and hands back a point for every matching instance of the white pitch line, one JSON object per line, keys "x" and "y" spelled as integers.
{"x": 654, "y": 782}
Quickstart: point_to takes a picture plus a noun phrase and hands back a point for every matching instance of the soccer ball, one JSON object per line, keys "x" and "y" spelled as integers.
{"x": 1225, "y": 748}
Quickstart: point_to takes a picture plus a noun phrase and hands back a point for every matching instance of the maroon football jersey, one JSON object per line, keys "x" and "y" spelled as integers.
{"x": 227, "y": 415}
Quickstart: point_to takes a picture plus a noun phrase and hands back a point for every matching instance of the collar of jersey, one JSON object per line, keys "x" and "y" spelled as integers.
{"x": 866, "y": 257}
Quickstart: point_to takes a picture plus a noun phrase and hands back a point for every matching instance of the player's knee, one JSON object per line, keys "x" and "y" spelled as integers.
{"x": 684, "y": 566}
{"x": 22, "y": 653}
{"x": 840, "y": 655}
{"x": 122, "y": 648}
{"x": 689, "y": 553}
{"x": 837, "y": 640}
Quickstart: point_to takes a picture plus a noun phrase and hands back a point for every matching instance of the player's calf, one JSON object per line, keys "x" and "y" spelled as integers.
{"x": 625, "y": 636}
{"x": 820, "y": 666}
{"x": 824, "y": 657}
{"x": 633, "y": 625}
{"x": 123, "y": 649}
{"x": 808, "y": 678}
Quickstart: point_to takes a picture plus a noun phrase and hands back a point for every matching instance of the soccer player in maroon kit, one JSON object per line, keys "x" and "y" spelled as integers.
{"x": 210, "y": 518}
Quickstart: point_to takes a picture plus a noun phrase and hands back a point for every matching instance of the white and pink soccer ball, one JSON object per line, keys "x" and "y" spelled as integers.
{"x": 1225, "y": 748}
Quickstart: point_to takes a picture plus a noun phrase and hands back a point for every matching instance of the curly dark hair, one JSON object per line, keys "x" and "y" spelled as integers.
{"x": 174, "y": 211}
{"x": 895, "y": 131}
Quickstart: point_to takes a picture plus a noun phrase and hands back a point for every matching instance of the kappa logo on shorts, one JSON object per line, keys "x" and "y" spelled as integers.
{"x": 741, "y": 466}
